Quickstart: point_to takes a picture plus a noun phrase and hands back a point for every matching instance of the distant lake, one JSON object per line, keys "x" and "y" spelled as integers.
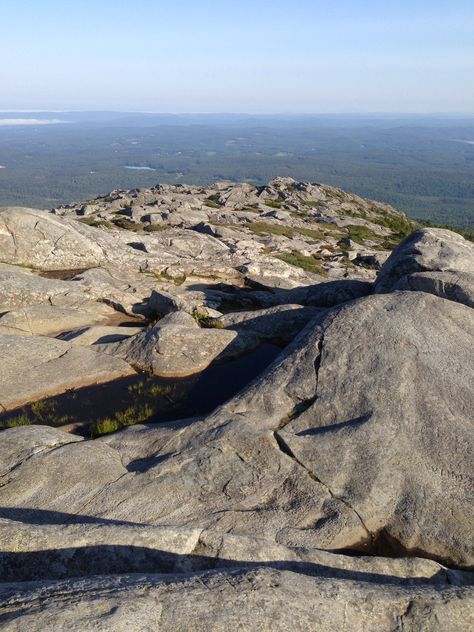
{"x": 139, "y": 168}
{"x": 460, "y": 140}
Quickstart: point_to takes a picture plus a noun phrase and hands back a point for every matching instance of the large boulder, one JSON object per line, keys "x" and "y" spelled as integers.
{"x": 177, "y": 347}
{"x": 426, "y": 250}
{"x": 394, "y": 402}
{"x": 452, "y": 285}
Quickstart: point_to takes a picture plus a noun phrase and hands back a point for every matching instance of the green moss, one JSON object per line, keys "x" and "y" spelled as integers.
{"x": 263, "y": 228}
{"x": 361, "y": 233}
{"x": 273, "y": 203}
{"x": 308, "y": 263}
{"x": 205, "y": 321}
{"x": 176, "y": 280}
{"x": 127, "y": 224}
{"x": 96, "y": 223}
{"x": 398, "y": 224}
{"x": 314, "y": 203}
{"x": 154, "y": 228}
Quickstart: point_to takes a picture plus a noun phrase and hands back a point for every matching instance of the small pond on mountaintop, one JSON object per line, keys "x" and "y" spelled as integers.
{"x": 100, "y": 409}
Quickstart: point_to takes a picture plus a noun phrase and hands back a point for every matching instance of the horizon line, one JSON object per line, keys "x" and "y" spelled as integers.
{"x": 236, "y": 113}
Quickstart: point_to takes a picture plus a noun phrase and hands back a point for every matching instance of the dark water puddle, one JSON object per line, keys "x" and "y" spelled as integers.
{"x": 143, "y": 398}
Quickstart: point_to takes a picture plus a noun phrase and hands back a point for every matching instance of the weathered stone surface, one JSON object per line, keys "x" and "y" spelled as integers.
{"x": 394, "y": 402}
{"x": 454, "y": 286}
{"x": 281, "y": 322}
{"x": 20, "y": 288}
{"x": 48, "y": 320}
{"x": 427, "y": 249}
{"x": 99, "y": 334}
{"x": 325, "y": 294}
{"x": 255, "y": 599}
{"x": 22, "y": 444}
{"x": 36, "y": 367}
{"x": 276, "y": 274}
{"x": 30, "y": 236}
{"x": 264, "y": 464}
{"x": 172, "y": 349}
{"x": 356, "y": 439}
{"x": 125, "y": 290}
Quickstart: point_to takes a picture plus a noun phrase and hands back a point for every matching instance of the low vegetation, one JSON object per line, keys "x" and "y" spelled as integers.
{"x": 154, "y": 228}
{"x": 96, "y": 223}
{"x": 309, "y": 263}
{"x": 265, "y": 228}
{"x": 127, "y": 224}
{"x": 205, "y": 321}
{"x": 360, "y": 234}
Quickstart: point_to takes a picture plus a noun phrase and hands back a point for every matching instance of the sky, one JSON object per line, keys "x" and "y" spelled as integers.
{"x": 255, "y": 56}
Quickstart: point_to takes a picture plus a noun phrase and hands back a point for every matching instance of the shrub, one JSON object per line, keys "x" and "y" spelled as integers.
{"x": 104, "y": 427}
{"x": 19, "y": 420}
{"x": 212, "y": 201}
{"x": 205, "y": 321}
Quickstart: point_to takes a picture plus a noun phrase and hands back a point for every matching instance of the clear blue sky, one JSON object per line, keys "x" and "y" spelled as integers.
{"x": 238, "y": 55}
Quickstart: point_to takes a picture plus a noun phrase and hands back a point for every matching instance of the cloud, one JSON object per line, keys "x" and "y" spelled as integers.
{"x": 30, "y": 121}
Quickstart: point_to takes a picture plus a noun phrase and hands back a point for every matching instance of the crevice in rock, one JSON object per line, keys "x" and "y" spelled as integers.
{"x": 386, "y": 545}
{"x": 284, "y": 447}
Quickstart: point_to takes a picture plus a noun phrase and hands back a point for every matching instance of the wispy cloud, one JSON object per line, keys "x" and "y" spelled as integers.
{"x": 30, "y": 121}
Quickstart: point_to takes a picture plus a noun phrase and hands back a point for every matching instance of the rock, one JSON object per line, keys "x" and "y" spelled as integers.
{"x": 339, "y": 481}
{"x": 264, "y": 466}
{"x": 33, "y": 237}
{"x": 126, "y": 291}
{"x": 247, "y": 599}
{"x": 370, "y": 259}
{"x": 394, "y": 403}
{"x": 36, "y": 367}
{"x": 276, "y": 274}
{"x": 281, "y": 322}
{"x": 22, "y": 444}
{"x": 21, "y": 288}
{"x": 99, "y": 334}
{"x": 454, "y": 286}
{"x": 427, "y": 249}
{"x": 162, "y": 303}
{"x": 326, "y": 294}
{"x": 179, "y": 318}
{"x": 174, "y": 350}
{"x": 49, "y": 320}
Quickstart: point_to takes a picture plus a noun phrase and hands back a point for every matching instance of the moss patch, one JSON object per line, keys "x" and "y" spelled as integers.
{"x": 96, "y": 223}
{"x": 308, "y": 263}
{"x": 263, "y": 228}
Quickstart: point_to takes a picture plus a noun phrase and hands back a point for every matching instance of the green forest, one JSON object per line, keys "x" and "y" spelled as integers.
{"x": 424, "y": 168}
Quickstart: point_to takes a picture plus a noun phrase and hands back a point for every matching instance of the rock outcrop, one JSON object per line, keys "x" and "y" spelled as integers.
{"x": 338, "y": 483}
